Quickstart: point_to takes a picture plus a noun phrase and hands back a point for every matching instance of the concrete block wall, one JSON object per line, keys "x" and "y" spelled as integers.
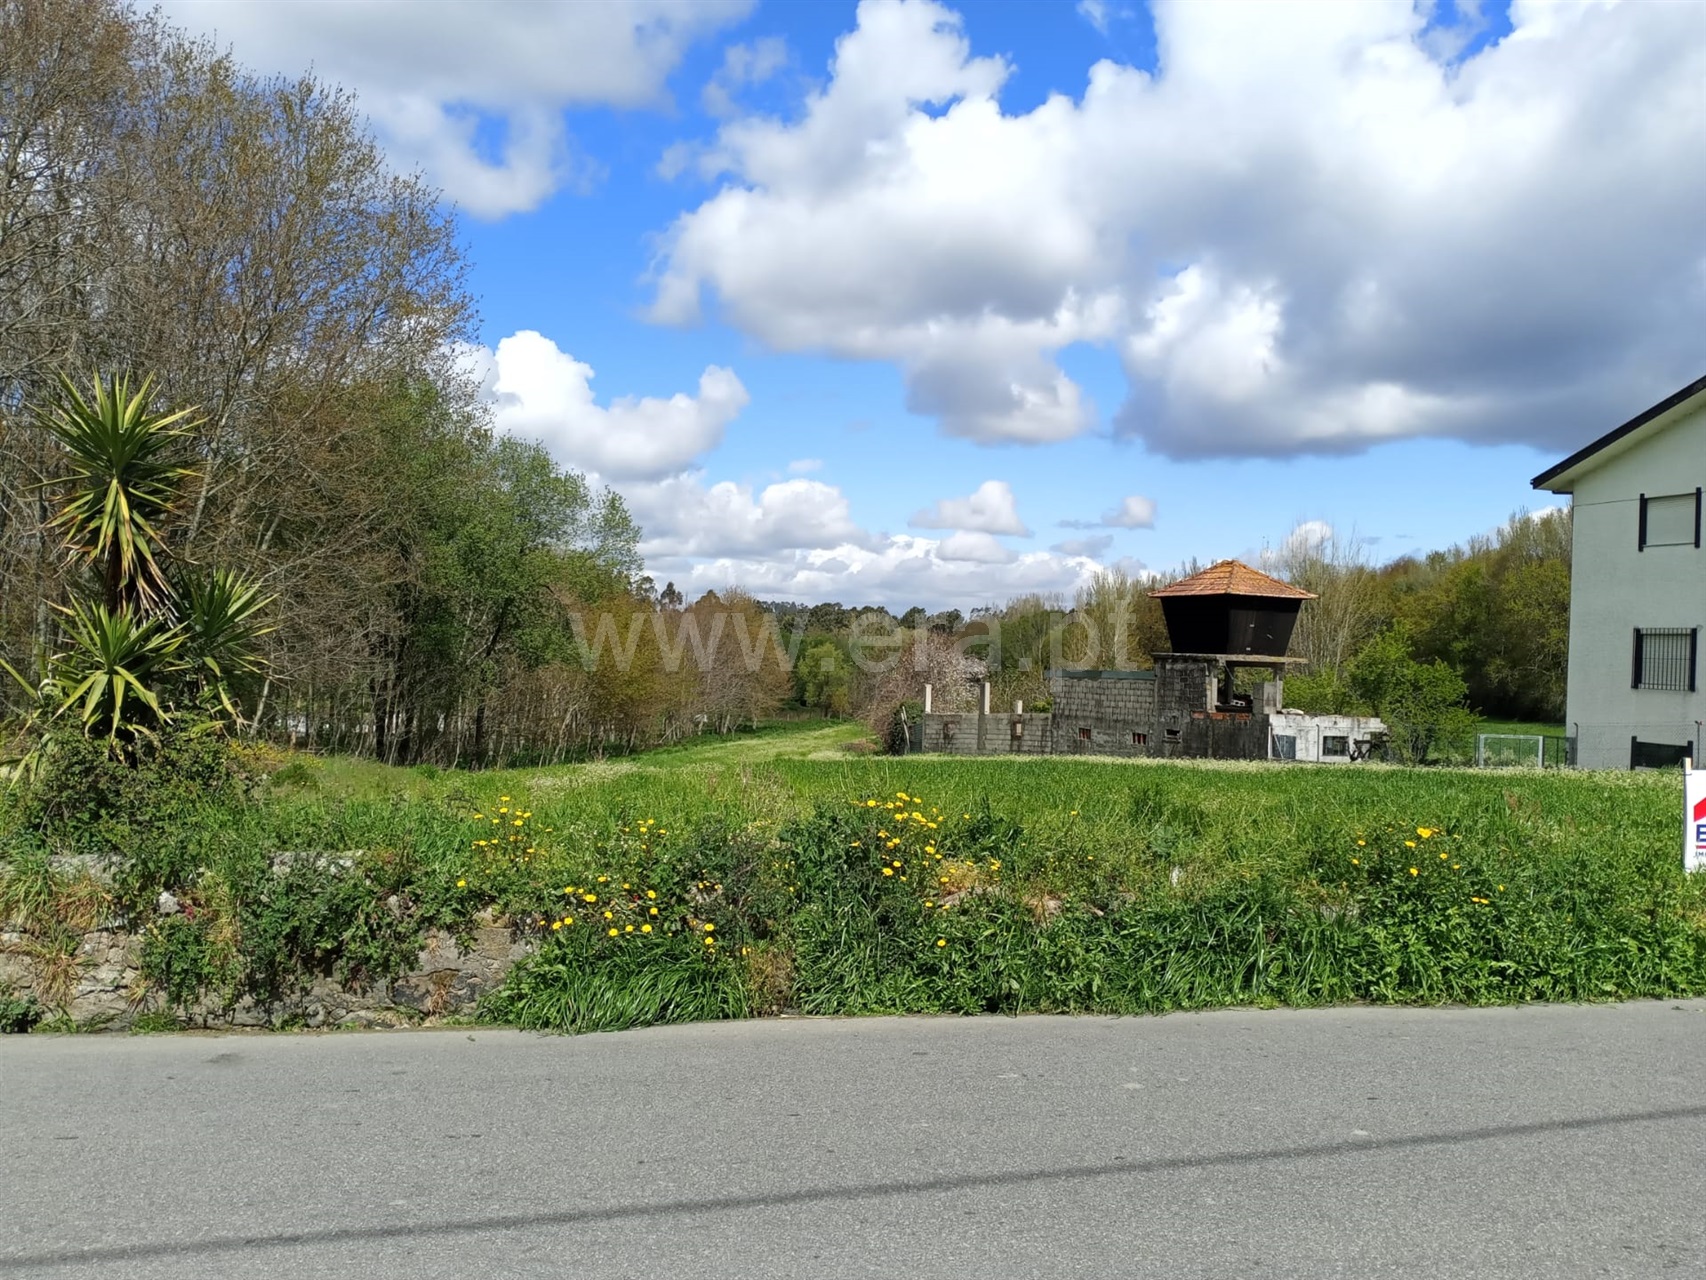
{"x": 966, "y": 733}
{"x": 1104, "y": 713}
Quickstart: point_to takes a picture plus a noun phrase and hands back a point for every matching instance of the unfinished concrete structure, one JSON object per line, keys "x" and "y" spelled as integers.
{"x": 1225, "y": 620}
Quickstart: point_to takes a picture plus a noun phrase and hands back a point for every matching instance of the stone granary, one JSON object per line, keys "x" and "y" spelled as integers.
{"x": 1224, "y": 620}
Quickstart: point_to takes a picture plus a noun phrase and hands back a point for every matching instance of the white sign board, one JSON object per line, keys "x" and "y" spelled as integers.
{"x": 1693, "y": 817}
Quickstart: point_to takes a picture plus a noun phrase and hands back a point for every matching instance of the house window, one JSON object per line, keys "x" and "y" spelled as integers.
{"x": 1665, "y": 658}
{"x": 1139, "y": 739}
{"x": 1285, "y": 746}
{"x": 1083, "y": 735}
{"x": 1335, "y": 746}
{"x": 1172, "y": 735}
{"x": 1018, "y": 728}
{"x": 1672, "y": 520}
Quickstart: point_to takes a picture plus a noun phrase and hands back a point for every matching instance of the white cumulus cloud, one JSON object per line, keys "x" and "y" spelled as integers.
{"x": 1134, "y": 512}
{"x": 436, "y": 77}
{"x": 539, "y": 392}
{"x": 991, "y": 509}
{"x": 1313, "y": 228}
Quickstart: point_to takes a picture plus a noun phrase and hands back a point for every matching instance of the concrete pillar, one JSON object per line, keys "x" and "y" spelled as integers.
{"x": 985, "y": 697}
{"x": 926, "y": 699}
{"x": 1018, "y": 707}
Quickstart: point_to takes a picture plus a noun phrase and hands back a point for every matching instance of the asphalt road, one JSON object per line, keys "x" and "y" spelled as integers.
{"x": 1358, "y": 1143}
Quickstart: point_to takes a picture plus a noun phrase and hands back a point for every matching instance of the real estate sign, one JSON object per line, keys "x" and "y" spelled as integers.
{"x": 1693, "y": 817}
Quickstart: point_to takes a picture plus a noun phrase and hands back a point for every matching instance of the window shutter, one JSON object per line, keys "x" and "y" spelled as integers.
{"x": 1635, "y": 669}
{"x": 1693, "y": 654}
{"x": 1641, "y": 526}
{"x": 1697, "y": 517}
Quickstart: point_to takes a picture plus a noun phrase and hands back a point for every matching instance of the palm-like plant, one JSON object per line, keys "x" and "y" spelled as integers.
{"x": 123, "y": 476}
{"x": 111, "y": 669}
{"x": 218, "y": 615}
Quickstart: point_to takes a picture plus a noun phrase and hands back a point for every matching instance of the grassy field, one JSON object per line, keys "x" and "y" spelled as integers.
{"x": 781, "y": 870}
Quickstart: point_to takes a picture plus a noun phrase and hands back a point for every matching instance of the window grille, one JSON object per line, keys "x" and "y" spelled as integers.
{"x": 1332, "y": 745}
{"x": 1139, "y": 739}
{"x": 1665, "y": 658}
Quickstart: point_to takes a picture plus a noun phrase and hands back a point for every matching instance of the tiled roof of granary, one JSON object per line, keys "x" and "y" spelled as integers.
{"x": 1233, "y": 578}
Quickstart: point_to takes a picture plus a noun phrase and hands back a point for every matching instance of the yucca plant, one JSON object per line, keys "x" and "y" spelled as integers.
{"x": 155, "y": 638}
{"x": 111, "y": 670}
{"x": 123, "y": 474}
{"x": 218, "y": 614}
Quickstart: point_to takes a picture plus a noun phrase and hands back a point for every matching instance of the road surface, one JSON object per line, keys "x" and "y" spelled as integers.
{"x": 1547, "y": 1141}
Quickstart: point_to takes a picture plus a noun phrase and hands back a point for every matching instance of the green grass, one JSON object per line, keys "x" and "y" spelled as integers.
{"x": 1071, "y": 884}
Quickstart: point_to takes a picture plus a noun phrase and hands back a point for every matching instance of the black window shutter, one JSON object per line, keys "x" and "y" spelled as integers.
{"x": 1635, "y": 669}
{"x": 1697, "y": 517}
{"x": 1693, "y": 654}
{"x": 1641, "y": 529}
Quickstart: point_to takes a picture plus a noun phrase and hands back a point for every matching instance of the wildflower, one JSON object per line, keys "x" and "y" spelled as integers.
{"x": 1501, "y": 888}
{"x": 1075, "y": 813}
{"x": 612, "y": 933}
{"x": 1360, "y": 843}
{"x": 461, "y": 884}
{"x": 645, "y": 928}
{"x": 902, "y": 795}
{"x": 710, "y": 942}
{"x": 608, "y": 916}
{"x": 929, "y": 904}
{"x": 929, "y": 848}
{"x": 897, "y": 864}
{"x": 568, "y": 920}
{"x": 1356, "y": 862}
{"x": 505, "y": 799}
{"x": 941, "y": 942}
{"x": 888, "y": 871}
{"x": 1409, "y": 844}
{"x": 479, "y": 815}
{"x": 654, "y": 911}
{"x": 555, "y": 925}
{"x": 1424, "y": 832}
{"x": 1414, "y": 872}
{"x": 710, "y": 928}
{"x": 1442, "y": 857}
{"x": 870, "y": 804}
{"x": 651, "y": 893}
{"x": 589, "y": 897}
{"x": 628, "y": 929}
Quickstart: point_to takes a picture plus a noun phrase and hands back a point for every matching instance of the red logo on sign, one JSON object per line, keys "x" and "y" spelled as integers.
{"x": 1700, "y": 811}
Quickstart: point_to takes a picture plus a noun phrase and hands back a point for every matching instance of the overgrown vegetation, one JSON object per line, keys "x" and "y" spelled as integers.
{"x": 1072, "y": 885}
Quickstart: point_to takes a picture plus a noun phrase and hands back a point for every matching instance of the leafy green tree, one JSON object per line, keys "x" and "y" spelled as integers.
{"x": 1422, "y": 703}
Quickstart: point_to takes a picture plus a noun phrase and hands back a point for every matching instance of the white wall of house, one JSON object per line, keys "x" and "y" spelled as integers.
{"x": 1617, "y": 587}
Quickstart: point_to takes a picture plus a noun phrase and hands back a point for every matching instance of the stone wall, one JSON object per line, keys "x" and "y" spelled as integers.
{"x": 108, "y": 992}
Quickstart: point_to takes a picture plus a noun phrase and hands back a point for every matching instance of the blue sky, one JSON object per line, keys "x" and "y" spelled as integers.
{"x": 900, "y": 302}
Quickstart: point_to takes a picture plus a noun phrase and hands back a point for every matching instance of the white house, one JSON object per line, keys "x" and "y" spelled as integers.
{"x": 1637, "y": 586}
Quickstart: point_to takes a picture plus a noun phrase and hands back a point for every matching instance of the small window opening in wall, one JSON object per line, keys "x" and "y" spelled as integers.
{"x": 947, "y": 730}
{"x": 1335, "y": 746}
{"x": 1139, "y": 739}
{"x": 1018, "y": 728}
{"x": 1172, "y": 735}
{"x": 1083, "y": 735}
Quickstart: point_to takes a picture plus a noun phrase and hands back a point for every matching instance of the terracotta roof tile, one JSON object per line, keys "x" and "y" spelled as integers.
{"x": 1233, "y": 578}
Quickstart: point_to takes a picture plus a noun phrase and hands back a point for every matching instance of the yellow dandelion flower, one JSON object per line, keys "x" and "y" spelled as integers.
{"x": 614, "y": 933}
{"x": 1409, "y": 844}
{"x": 941, "y": 942}
{"x": 589, "y": 897}
{"x": 1356, "y": 862}
{"x": 870, "y": 804}
{"x": 1424, "y": 832}
{"x": 461, "y": 884}
{"x": 710, "y": 942}
{"x": 608, "y": 916}
{"x": 628, "y": 928}
{"x": 710, "y": 928}
{"x": 1360, "y": 843}
{"x": 888, "y": 871}
{"x": 555, "y": 925}
{"x": 1442, "y": 857}
{"x": 645, "y": 928}
{"x": 654, "y": 911}
{"x": 929, "y": 848}
{"x": 1414, "y": 872}
{"x": 651, "y": 893}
